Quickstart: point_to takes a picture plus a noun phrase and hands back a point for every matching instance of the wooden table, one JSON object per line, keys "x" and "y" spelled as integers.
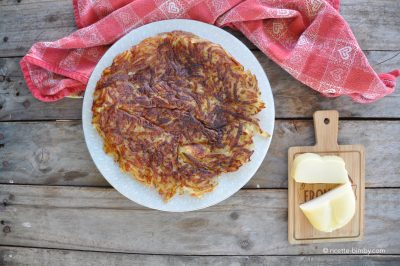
{"x": 56, "y": 208}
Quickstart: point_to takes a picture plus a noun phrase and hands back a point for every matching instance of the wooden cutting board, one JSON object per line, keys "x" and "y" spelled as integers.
{"x": 300, "y": 231}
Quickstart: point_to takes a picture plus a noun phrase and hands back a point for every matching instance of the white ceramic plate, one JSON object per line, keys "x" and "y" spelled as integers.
{"x": 228, "y": 183}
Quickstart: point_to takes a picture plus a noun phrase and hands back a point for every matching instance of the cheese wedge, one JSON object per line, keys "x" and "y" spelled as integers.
{"x": 332, "y": 210}
{"x": 312, "y": 168}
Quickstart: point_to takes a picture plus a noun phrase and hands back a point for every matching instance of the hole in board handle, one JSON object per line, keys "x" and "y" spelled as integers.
{"x": 326, "y": 121}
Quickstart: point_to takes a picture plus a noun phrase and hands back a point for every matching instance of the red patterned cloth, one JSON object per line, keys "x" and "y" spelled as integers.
{"x": 308, "y": 38}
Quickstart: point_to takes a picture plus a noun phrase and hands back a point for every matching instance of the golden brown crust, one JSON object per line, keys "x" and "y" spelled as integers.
{"x": 176, "y": 111}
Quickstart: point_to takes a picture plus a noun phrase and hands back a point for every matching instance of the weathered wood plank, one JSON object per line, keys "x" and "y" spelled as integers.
{"x": 17, "y": 103}
{"x": 24, "y": 2}
{"x": 55, "y": 153}
{"x": 374, "y": 23}
{"x": 252, "y": 222}
{"x": 22, "y": 24}
{"x": 10, "y": 256}
{"x": 292, "y": 99}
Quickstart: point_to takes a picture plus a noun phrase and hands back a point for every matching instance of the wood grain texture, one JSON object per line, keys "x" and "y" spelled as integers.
{"x": 300, "y": 231}
{"x": 54, "y": 153}
{"x": 252, "y": 222}
{"x": 25, "y": 23}
{"x": 374, "y": 23}
{"x": 292, "y": 99}
{"x": 14, "y": 256}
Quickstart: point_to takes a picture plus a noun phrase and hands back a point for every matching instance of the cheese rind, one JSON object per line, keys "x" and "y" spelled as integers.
{"x": 313, "y": 168}
{"x": 332, "y": 210}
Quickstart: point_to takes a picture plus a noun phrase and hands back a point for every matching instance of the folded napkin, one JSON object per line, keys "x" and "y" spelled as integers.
{"x": 307, "y": 38}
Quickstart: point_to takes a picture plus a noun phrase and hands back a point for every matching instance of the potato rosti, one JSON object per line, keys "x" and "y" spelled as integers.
{"x": 176, "y": 111}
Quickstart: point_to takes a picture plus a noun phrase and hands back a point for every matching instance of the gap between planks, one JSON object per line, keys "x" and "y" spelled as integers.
{"x": 276, "y": 119}
{"x": 187, "y": 255}
{"x": 111, "y": 187}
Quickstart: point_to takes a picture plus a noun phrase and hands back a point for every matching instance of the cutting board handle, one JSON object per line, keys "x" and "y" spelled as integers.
{"x": 326, "y": 124}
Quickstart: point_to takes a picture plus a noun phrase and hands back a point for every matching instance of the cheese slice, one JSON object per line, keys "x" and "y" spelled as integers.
{"x": 313, "y": 168}
{"x": 332, "y": 210}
